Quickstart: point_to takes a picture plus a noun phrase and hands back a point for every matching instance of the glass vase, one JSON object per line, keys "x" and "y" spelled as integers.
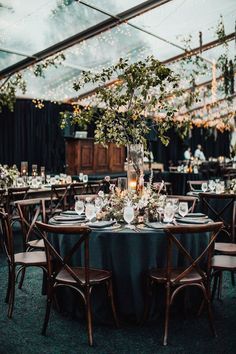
{"x": 135, "y": 167}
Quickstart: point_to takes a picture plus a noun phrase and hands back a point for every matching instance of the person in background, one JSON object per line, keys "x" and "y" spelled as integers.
{"x": 199, "y": 153}
{"x": 187, "y": 154}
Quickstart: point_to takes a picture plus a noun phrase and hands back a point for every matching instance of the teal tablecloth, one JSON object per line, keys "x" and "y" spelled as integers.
{"x": 129, "y": 255}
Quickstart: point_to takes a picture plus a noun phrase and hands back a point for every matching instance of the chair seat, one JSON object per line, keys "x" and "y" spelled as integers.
{"x": 223, "y": 262}
{"x": 36, "y": 243}
{"x": 226, "y": 248}
{"x": 30, "y": 258}
{"x": 159, "y": 275}
{"x": 95, "y": 275}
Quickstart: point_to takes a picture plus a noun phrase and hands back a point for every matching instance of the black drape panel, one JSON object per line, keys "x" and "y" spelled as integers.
{"x": 33, "y": 135}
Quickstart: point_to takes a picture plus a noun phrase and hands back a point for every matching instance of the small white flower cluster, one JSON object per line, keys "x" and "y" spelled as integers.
{"x": 8, "y": 175}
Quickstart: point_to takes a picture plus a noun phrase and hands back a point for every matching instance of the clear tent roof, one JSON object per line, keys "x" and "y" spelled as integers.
{"x": 29, "y": 27}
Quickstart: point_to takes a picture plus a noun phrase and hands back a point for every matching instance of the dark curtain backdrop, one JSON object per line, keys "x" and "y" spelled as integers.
{"x": 33, "y": 135}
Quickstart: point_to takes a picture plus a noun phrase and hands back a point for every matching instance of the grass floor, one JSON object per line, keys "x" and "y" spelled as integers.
{"x": 189, "y": 335}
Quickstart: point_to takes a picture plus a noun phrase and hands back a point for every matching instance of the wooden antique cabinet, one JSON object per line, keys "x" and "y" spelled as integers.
{"x": 83, "y": 155}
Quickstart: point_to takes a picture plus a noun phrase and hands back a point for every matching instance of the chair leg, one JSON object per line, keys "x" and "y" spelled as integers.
{"x": 167, "y": 311}
{"x": 216, "y": 279}
{"x": 8, "y": 285}
{"x": 12, "y": 294}
{"x": 89, "y": 316}
{"x": 207, "y": 295}
{"x": 219, "y": 293}
{"x": 111, "y": 297}
{"x": 47, "y": 314}
{"x": 21, "y": 278}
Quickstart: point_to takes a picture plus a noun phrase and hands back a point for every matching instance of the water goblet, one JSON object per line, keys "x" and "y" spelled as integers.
{"x": 212, "y": 185}
{"x": 169, "y": 213}
{"x": 128, "y": 215}
{"x": 204, "y": 187}
{"x": 90, "y": 211}
{"x": 79, "y": 206}
{"x": 85, "y": 178}
{"x": 183, "y": 209}
{"x": 48, "y": 177}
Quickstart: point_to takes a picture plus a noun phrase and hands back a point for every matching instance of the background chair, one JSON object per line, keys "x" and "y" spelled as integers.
{"x": 81, "y": 279}
{"x": 22, "y": 259}
{"x": 195, "y": 185}
{"x": 58, "y": 200}
{"x": 191, "y": 274}
{"x": 14, "y": 194}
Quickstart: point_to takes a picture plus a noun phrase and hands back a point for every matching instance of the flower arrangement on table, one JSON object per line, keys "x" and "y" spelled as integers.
{"x": 233, "y": 185}
{"x": 8, "y": 175}
{"x": 112, "y": 206}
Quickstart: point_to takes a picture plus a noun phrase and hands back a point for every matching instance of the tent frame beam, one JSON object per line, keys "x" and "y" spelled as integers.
{"x": 83, "y": 35}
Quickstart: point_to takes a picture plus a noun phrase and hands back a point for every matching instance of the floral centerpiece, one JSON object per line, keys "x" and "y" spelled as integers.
{"x": 112, "y": 206}
{"x": 233, "y": 185}
{"x": 8, "y": 175}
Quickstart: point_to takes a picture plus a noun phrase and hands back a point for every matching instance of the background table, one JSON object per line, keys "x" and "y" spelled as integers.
{"x": 128, "y": 255}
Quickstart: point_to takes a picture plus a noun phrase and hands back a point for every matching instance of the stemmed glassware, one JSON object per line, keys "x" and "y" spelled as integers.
{"x": 169, "y": 213}
{"x": 48, "y": 177}
{"x": 128, "y": 215}
{"x": 79, "y": 206}
{"x": 90, "y": 211}
{"x": 212, "y": 185}
{"x": 204, "y": 187}
{"x": 183, "y": 209}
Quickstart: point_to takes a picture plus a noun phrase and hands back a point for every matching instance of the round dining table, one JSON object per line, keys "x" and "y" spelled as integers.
{"x": 129, "y": 254}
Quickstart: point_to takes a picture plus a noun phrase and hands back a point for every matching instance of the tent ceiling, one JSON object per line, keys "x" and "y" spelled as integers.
{"x": 34, "y": 26}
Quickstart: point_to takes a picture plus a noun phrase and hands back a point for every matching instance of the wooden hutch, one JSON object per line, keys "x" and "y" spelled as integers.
{"x": 83, "y": 155}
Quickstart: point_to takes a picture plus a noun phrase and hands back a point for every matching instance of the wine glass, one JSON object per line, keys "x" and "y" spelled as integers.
{"x": 48, "y": 177}
{"x": 183, "y": 209}
{"x": 204, "y": 187}
{"x": 128, "y": 215}
{"x": 81, "y": 177}
{"x": 90, "y": 211}
{"x": 79, "y": 207}
{"x": 169, "y": 213}
{"x": 212, "y": 185}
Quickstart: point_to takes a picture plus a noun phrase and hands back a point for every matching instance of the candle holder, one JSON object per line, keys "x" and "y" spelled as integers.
{"x": 42, "y": 173}
{"x": 24, "y": 168}
{"x": 34, "y": 170}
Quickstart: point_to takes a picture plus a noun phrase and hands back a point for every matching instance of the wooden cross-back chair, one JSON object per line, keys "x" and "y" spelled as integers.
{"x": 226, "y": 204}
{"x": 193, "y": 184}
{"x": 75, "y": 189}
{"x": 14, "y": 194}
{"x": 194, "y": 273}
{"x": 82, "y": 279}
{"x": 2, "y": 198}
{"x": 14, "y": 260}
{"x": 59, "y": 195}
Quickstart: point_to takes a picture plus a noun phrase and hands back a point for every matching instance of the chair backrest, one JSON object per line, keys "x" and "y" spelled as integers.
{"x": 15, "y": 193}
{"x": 186, "y": 198}
{"x": 59, "y": 194}
{"x": 31, "y": 210}
{"x": 193, "y": 185}
{"x": 75, "y": 189}
{"x": 161, "y": 187}
{"x": 7, "y": 237}
{"x": 50, "y": 232}
{"x": 2, "y": 198}
{"x": 201, "y": 260}
{"x": 220, "y": 207}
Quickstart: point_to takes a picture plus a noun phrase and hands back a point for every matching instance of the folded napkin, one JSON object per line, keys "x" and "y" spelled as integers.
{"x": 101, "y": 224}
{"x": 193, "y": 220}
{"x": 191, "y": 215}
{"x": 70, "y": 212}
{"x": 155, "y": 225}
{"x": 69, "y": 217}
{"x": 67, "y": 222}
